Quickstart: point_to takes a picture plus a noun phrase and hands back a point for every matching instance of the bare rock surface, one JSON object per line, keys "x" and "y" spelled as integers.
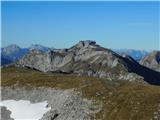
{"x": 5, "y": 114}
{"x": 65, "y": 105}
{"x": 88, "y": 58}
{"x": 152, "y": 61}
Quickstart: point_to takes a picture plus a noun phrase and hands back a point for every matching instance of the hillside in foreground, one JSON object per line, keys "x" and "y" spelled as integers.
{"x": 118, "y": 100}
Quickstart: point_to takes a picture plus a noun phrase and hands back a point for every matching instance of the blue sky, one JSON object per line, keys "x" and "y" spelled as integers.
{"x": 62, "y": 24}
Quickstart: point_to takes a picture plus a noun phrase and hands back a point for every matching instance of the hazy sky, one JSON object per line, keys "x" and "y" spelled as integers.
{"x": 62, "y": 24}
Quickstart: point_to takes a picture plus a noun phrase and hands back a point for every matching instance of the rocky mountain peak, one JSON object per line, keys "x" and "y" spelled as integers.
{"x": 38, "y": 47}
{"x": 86, "y": 43}
{"x": 11, "y": 48}
{"x": 12, "y": 52}
{"x": 35, "y": 51}
{"x": 152, "y": 60}
{"x": 14, "y": 46}
{"x": 88, "y": 58}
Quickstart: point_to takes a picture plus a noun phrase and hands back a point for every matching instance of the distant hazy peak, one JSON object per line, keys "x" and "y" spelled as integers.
{"x": 136, "y": 54}
{"x": 38, "y": 47}
{"x": 10, "y": 48}
{"x": 152, "y": 60}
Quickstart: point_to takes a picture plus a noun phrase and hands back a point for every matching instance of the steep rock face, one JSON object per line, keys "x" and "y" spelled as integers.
{"x": 87, "y": 58}
{"x": 152, "y": 61}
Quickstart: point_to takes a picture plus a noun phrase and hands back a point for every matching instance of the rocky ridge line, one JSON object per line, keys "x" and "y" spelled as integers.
{"x": 88, "y": 58}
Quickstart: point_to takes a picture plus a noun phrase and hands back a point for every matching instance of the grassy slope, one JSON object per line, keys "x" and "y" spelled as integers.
{"x": 120, "y": 100}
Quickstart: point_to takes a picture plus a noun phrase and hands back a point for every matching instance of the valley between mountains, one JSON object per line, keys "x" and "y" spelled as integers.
{"x": 85, "y": 82}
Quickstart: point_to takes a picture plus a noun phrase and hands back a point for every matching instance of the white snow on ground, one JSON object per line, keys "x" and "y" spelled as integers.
{"x": 25, "y": 110}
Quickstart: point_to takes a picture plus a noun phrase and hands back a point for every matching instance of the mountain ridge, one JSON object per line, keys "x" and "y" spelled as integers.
{"x": 89, "y": 58}
{"x": 152, "y": 61}
{"x": 14, "y": 52}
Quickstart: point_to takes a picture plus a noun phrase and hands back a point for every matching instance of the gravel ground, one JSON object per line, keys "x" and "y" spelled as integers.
{"x": 65, "y": 104}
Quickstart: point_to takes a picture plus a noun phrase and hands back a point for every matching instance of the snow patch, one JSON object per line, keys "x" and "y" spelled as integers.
{"x": 24, "y": 109}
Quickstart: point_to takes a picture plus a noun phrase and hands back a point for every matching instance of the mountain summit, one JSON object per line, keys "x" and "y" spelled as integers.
{"x": 10, "y": 49}
{"x": 12, "y": 53}
{"x": 89, "y": 58}
{"x": 152, "y": 60}
{"x": 38, "y": 47}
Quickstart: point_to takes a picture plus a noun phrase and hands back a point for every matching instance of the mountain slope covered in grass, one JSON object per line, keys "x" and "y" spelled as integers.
{"x": 118, "y": 100}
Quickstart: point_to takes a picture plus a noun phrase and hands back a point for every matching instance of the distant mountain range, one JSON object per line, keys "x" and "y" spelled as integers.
{"x": 39, "y": 47}
{"x": 136, "y": 54}
{"x": 13, "y": 52}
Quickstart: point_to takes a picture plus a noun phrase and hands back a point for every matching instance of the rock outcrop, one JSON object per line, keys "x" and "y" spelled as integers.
{"x": 5, "y": 114}
{"x": 65, "y": 104}
{"x": 152, "y": 61}
{"x": 88, "y": 58}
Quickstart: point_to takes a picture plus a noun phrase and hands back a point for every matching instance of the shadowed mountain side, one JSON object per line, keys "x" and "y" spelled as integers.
{"x": 149, "y": 75}
{"x": 5, "y": 61}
